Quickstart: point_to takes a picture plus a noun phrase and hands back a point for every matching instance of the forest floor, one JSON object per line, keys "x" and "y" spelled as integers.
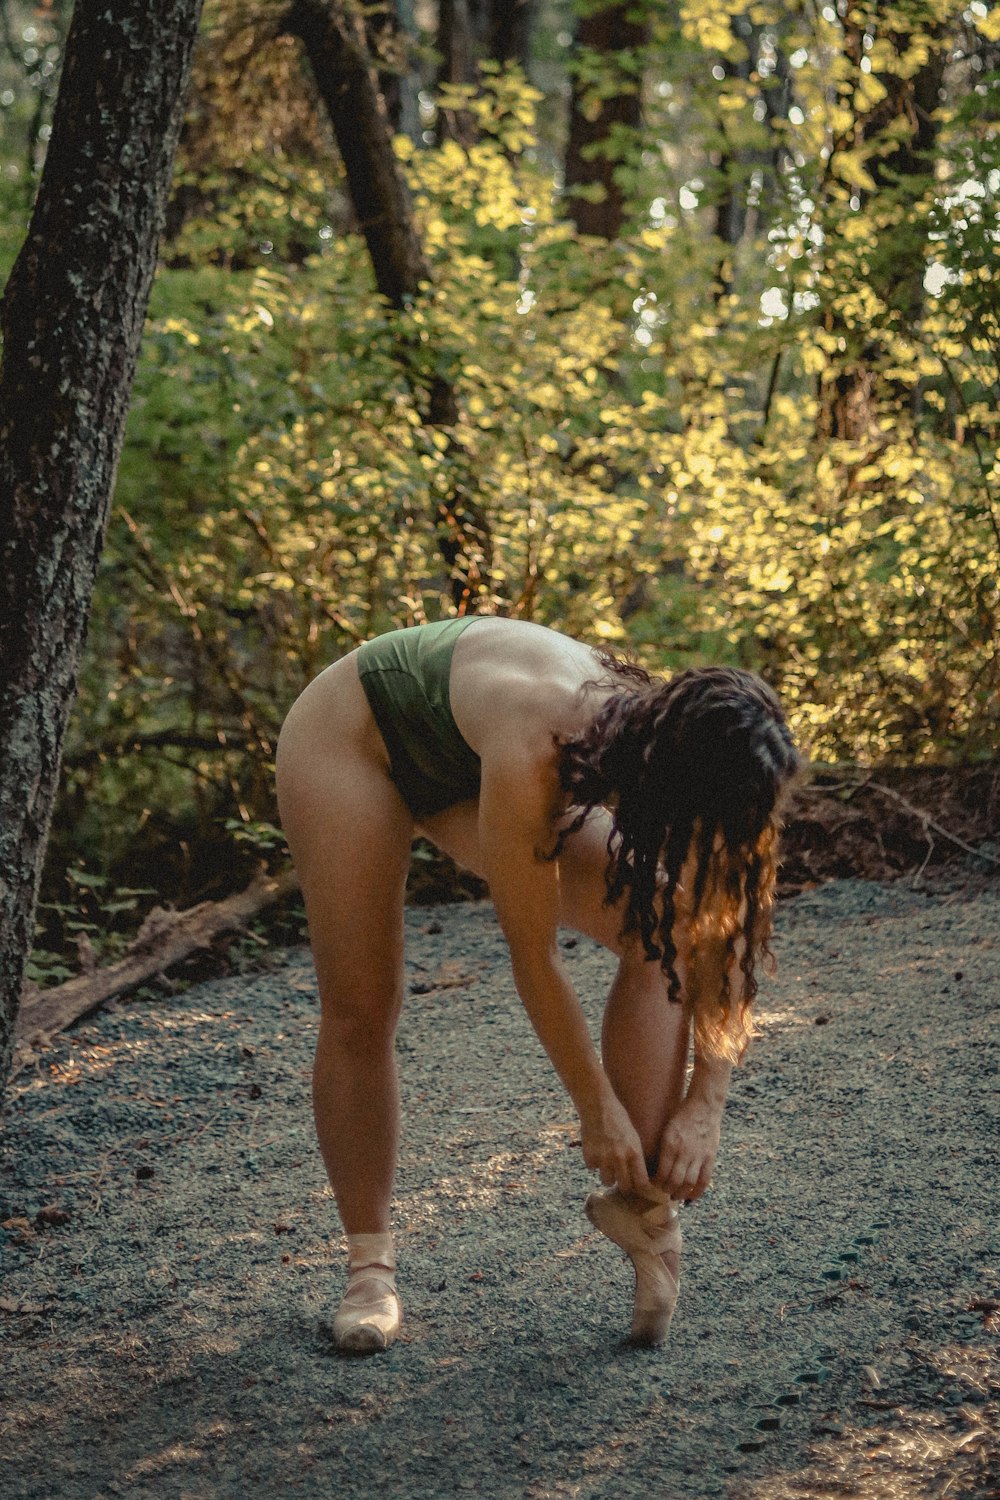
{"x": 171, "y": 1257}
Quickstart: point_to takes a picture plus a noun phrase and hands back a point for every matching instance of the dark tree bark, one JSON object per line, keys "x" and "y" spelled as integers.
{"x": 593, "y": 149}
{"x": 387, "y": 44}
{"x": 905, "y": 121}
{"x": 72, "y": 318}
{"x": 469, "y": 33}
{"x": 461, "y": 26}
{"x": 510, "y": 24}
{"x": 333, "y": 35}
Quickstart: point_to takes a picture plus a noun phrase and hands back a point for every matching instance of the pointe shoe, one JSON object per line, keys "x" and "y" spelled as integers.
{"x": 645, "y": 1234}
{"x": 368, "y": 1318}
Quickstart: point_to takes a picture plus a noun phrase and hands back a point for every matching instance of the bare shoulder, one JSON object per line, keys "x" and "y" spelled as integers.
{"x": 516, "y": 685}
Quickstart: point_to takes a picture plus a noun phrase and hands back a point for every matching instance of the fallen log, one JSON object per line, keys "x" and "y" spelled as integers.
{"x": 165, "y": 938}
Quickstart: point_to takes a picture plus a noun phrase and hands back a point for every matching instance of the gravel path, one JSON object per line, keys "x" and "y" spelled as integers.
{"x": 170, "y": 1255}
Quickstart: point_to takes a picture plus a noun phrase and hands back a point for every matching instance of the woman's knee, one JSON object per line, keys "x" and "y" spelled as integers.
{"x": 361, "y": 1021}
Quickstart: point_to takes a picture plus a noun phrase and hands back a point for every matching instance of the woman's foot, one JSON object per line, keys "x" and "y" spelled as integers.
{"x": 648, "y": 1230}
{"x": 368, "y": 1318}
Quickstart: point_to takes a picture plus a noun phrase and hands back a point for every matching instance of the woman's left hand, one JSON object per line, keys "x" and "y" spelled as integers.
{"x": 688, "y": 1149}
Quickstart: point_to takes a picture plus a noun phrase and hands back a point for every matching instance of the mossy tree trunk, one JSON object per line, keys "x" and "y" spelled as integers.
{"x": 72, "y": 317}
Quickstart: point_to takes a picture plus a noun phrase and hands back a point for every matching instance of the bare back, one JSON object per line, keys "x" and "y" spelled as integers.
{"x": 515, "y": 681}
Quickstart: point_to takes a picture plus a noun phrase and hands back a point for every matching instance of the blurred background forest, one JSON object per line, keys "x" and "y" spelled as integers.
{"x": 683, "y": 337}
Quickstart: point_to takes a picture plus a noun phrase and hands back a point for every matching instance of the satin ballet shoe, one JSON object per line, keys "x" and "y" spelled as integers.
{"x": 645, "y": 1234}
{"x": 368, "y": 1318}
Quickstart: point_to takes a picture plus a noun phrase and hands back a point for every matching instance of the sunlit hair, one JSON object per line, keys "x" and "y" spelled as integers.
{"x": 693, "y": 771}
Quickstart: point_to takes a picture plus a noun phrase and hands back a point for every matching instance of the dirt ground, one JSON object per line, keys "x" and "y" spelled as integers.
{"x": 171, "y": 1256}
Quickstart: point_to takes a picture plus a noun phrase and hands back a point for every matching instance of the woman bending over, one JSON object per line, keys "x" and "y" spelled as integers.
{"x": 639, "y": 812}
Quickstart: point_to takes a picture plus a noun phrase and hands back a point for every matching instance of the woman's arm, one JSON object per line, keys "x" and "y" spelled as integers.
{"x": 515, "y": 830}
{"x": 690, "y": 1141}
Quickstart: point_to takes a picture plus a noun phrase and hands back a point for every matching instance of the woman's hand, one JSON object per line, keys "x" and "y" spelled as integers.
{"x": 688, "y": 1149}
{"x": 611, "y": 1144}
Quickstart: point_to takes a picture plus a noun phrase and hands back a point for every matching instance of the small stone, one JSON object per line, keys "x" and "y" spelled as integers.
{"x": 52, "y": 1215}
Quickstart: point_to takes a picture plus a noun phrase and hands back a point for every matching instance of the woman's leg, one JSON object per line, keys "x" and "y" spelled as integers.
{"x": 644, "y": 1038}
{"x": 350, "y": 833}
{"x": 644, "y": 1044}
{"x": 644, "y": 1048}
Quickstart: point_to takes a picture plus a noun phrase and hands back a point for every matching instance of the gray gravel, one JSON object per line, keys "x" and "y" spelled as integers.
{"x": 171, "y": 1256}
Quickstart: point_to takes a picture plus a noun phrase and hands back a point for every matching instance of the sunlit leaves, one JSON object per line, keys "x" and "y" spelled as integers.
{"x": 648, "y": 445}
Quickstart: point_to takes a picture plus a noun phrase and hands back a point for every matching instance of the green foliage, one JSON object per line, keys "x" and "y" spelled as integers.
{"x": 659, "y": 431}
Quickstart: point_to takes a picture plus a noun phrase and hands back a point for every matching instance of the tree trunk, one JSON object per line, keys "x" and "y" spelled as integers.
{"x": 510, "y": 25}
{"x": 459, "y": 46}
{"x": 599, "y": 127}
{"x": 470, "y": 32}
{"x": 72, "y": 319}
{"x": 388, "y": 45}
{"x": 905, "y": 122}
{"x": 333, "y": 35}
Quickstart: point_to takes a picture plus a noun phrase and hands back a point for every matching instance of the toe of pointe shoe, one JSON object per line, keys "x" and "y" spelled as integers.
{"x": 368, "y": 1319}
{"x": 363, "y": 1338}
{"x": 652, "y": 1325}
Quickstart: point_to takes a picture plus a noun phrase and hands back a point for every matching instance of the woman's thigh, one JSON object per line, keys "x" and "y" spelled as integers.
{"x": 350, "y": 833}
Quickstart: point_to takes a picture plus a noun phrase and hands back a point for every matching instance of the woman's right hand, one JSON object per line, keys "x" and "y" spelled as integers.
{"x": 611, "y": 1144}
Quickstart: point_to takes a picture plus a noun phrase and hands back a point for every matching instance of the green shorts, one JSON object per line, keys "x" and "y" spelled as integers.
{"x": 405, "y": 677}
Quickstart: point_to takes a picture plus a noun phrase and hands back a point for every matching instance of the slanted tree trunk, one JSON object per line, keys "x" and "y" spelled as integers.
{"x": 333, "y": 35}
{"x": 388, "y": 46}
{"x": 72, "y": 318}
{"x": 600, "y": 127}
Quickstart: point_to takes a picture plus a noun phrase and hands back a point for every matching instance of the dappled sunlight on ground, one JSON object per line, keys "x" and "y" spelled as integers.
{"x": 172, "y": 1256}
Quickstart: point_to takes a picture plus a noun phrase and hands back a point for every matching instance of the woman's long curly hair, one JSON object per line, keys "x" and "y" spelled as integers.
{"x": 693, "y": 771}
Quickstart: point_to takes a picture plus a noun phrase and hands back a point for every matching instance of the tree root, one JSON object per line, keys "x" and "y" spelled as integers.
{"x": 165, "y": 938}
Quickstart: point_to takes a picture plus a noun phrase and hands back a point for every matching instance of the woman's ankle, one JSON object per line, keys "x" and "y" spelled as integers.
{"x": 371, "y": 1250}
